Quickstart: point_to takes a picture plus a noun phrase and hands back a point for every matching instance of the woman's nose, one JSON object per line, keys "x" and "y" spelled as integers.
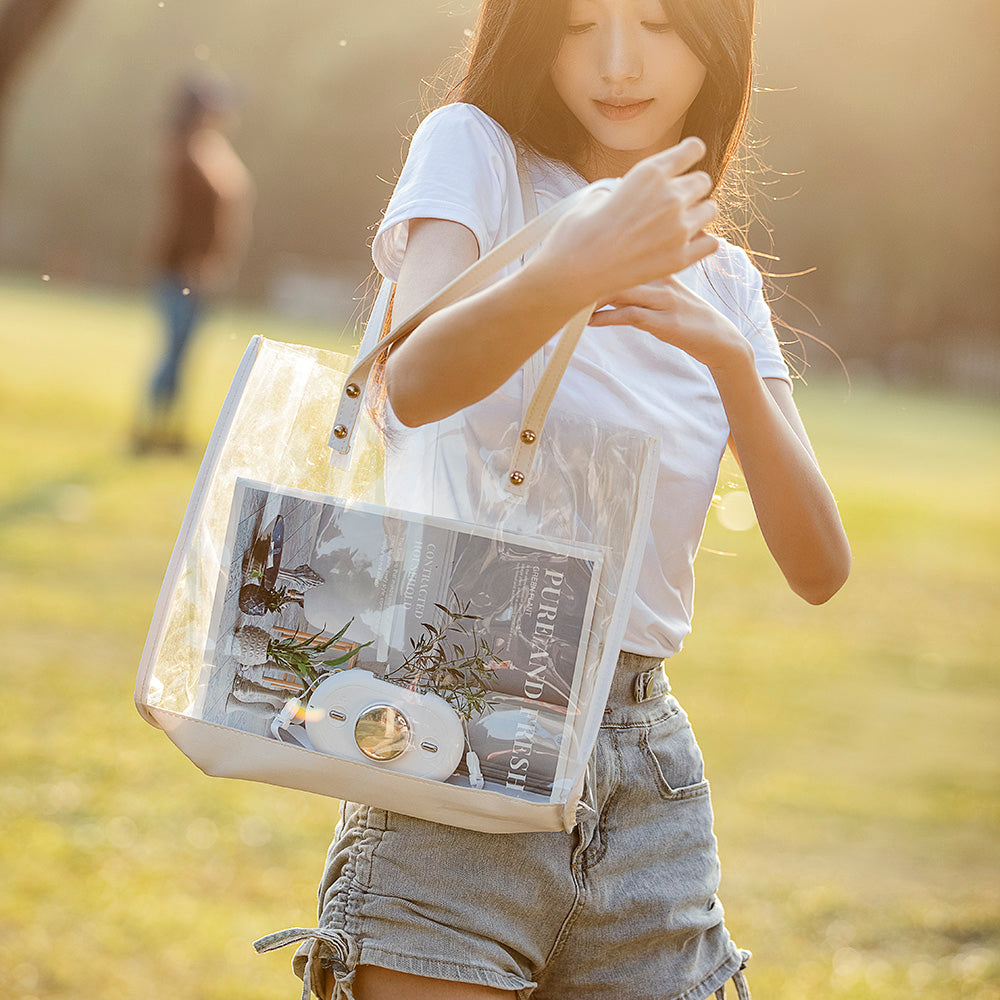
{"x": 621, "y": 56}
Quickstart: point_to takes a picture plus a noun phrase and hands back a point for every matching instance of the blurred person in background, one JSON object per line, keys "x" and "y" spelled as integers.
{"x": 208, "y": 199}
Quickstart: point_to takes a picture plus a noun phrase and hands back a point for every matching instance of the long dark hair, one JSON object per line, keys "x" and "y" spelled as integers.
{"x": 505, "y": 72}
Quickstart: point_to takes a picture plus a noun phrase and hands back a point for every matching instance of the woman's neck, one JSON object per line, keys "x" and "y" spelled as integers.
{"x": 599, "y": 162}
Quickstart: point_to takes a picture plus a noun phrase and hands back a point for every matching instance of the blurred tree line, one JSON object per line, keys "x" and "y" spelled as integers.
{"x": 876, "y": 137}
{"x": 22, "y": 23}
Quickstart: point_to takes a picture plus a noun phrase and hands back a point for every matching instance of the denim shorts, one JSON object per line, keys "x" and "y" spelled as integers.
{"x": 624, "y": 906}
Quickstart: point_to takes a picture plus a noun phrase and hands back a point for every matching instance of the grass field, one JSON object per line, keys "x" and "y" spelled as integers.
{"x": 853, "y": 747}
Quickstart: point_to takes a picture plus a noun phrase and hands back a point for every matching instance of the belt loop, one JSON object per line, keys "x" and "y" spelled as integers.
{"x": 642, "y": 688}
{"x": 639, "y": 686}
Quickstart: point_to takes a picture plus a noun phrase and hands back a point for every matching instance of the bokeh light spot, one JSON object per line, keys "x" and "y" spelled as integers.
{"x": 122, "y": 832}
{"x": 202, "y": 834}
{"x": 735, "y": 511}
{"x": 73, "y": 503}
{"x": 255, "y": 831}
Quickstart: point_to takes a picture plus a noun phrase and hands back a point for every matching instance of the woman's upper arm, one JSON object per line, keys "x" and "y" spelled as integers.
{"x": 437, "y": 252}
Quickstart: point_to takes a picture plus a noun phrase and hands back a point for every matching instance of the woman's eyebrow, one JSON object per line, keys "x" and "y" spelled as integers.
{"x": 634, "y": 4}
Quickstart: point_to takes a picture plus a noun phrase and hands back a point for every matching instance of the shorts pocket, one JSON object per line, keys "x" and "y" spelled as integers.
{"x": 674, "y": 757}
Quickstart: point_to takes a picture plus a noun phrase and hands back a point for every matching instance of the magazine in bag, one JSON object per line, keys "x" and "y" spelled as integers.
{"x": 413, "y": 643}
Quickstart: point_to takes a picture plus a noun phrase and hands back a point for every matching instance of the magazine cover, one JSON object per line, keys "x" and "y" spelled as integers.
{"x": 426, "y": 645}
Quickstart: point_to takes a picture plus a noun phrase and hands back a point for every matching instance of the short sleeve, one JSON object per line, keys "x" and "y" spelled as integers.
{"x": 752, "y": 314}
{"x": 458, "y": 169}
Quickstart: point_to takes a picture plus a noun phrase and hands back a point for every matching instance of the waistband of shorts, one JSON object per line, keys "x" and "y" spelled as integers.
{"x": 638, "y": 679}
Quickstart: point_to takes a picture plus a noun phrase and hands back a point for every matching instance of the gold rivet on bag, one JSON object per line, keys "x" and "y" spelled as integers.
{"x": 340, "y": 432}
{"x": 528, "y": 437}
{"x": 352, "y": 391}
{"x": 517, "y": 478}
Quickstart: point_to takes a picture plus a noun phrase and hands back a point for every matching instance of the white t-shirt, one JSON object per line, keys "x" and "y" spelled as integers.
{"x": 462, "y": 167}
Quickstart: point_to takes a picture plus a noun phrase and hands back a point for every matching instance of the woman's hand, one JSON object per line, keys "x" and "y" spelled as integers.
{"x": 676, "y": 315}
{"x": 797, "y": 513}
{"x": 650, "y": 226}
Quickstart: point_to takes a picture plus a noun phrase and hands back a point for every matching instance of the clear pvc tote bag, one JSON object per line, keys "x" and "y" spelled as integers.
{"x": 451, "y": 663}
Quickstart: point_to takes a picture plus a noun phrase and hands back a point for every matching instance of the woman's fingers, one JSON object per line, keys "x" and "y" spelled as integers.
{"x": 652, "y": 295}
{"x": 656, "y": 307}
{"x": 678, "y": 159}
{"x": 665, "y": 177}
{"x": 693, "y": 187}
{"x": 699, "y": 217}
{"x": 623, "y": 316}
{"x": 683, "y": 197}
{"x": 700, "y": 246}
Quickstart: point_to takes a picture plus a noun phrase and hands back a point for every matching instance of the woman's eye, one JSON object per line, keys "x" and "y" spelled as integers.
{"x": 659, "y": 27}
{"x": 578, "y": 29}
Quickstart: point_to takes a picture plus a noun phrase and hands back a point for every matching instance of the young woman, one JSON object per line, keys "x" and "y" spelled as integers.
{"x": 655, "y": 92}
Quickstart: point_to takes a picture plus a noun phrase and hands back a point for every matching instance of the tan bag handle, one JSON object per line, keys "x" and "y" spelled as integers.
{"x": 534, "y": 367}
{"x": 523, "y": 240}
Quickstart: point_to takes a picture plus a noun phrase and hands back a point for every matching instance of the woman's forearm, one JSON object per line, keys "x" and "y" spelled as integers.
{"x": 795, "y": 509}
{"x": 464, "y": 352}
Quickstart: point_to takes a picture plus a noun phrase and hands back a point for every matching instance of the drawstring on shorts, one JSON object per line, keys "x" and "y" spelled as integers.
{"x": 329, "y": 951}
{"x": 739, "y": 981}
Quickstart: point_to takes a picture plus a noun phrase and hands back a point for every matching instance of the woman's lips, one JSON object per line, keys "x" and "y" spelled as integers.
{"x": 622, "y": 111}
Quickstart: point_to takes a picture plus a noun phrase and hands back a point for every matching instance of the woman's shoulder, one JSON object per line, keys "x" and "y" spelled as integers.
{"x": 732, "y": 276}
{"x": 732, "y": 282}
{"x": 460, "y": 167}
{"x": 462, "y": 123}
{"x": 732, "y": 262}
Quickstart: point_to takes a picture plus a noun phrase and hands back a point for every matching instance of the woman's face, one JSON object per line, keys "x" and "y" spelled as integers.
{"x": 627, "y": 77}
